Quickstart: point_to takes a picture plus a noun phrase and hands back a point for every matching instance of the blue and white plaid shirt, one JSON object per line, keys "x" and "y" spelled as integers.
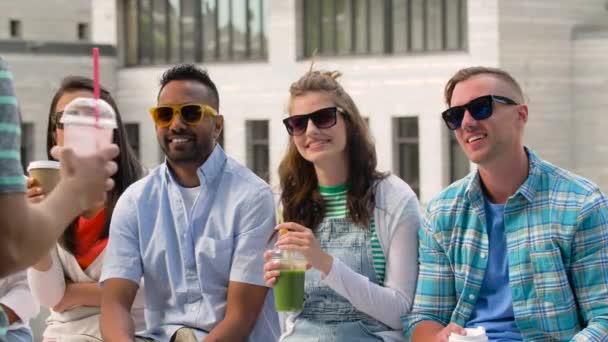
{"x": 557, "y": 251}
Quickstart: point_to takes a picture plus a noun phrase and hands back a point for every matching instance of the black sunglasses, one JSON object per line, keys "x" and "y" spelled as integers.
{"x": 322, "y": 118}
{"x": 479, "y": 108}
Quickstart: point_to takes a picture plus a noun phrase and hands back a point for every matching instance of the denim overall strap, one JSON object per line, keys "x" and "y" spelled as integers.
{"x": 351, "y": 244}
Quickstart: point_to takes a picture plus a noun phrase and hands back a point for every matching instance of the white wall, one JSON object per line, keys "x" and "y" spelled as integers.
{"x": 536, "y": 47}
{"x": 55, "y": 20}
{"x": 104, "y": 21}
{"x": 590, "y": 86}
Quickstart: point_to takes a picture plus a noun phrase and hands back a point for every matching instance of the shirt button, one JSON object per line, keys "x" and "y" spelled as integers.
{"x": 471, "y": 296}
{"x": 483, "y": 255}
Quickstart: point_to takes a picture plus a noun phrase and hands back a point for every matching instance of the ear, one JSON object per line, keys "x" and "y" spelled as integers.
{"x": 219, "y": 125}
{"x": 522, "y": 113}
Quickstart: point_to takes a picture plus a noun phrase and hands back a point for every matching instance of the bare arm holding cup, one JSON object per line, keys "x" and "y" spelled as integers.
{"x": 34, "y": 228}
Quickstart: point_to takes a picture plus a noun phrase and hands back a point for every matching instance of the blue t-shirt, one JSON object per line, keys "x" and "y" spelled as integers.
{"x": 494, "y": 307}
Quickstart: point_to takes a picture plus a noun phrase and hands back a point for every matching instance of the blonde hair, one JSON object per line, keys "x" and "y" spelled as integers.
{"x": 467, "y": 73}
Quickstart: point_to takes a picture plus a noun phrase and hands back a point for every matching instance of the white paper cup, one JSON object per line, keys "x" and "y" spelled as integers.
{"x": 473, "y": 335}
{"x": 46, "y": 172}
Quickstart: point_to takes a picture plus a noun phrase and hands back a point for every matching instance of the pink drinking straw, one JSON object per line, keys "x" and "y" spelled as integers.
{"x": 96, "y": 83}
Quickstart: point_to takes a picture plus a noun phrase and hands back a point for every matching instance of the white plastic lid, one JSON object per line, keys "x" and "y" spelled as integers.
{"x": 43, "y": 164}
{"x": 87, "y": 121}
{"x": 472, "y": 335}
{"x": 81, "y": 111}
{"x": 479, "y": 331}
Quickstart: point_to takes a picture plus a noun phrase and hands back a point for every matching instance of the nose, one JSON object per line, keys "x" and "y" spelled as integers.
{"x": 311, "y": 128}
{"x": 177, "y": 123}
{"x": 468, "y": 121}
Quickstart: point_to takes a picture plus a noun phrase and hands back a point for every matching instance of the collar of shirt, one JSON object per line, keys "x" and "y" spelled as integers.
{"x": 527, "y": 190}
{"x": 207, "y": 172}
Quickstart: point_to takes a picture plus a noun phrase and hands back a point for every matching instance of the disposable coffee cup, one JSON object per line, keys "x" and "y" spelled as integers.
{"x": 88, "y": 125}
{"x": 46, "y": 173}
{"x": 289, "y": 288}
{"x": 473, "y": 335}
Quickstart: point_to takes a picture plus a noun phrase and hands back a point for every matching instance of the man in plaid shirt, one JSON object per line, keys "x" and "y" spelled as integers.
{"x": 519, "y": 247}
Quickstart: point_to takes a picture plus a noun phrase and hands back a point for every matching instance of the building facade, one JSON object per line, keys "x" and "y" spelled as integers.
{"x": 395, "y": 56}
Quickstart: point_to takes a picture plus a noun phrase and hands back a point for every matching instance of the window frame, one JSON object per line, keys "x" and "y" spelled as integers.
{"x": 252, "y": 142}
{"x": 389, "y": 32}
{"x": 201, "y": 54}
{"x": 399, "y": 141}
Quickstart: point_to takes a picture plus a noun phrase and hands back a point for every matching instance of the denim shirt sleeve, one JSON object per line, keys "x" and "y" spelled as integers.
{"x": 589, "y": 268}
{"x": 435, "y": 298}
{"x": 122, "y": 255}
{"x": 256, "y": 222}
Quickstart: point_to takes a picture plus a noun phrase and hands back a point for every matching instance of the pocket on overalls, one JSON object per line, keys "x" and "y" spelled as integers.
{"x": 346, "y": 241}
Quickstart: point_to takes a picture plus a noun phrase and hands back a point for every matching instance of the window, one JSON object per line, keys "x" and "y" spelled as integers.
{"x": 174, "y": 41}
{"x": 131, "y": 43}
{"x": 190, "y": 37}
{"x": 173, "y": 31}
{"x": 258, "y": 154}
{"x": 27, "y": 144}
{"x": 354, "y": 27}
{"x": 132, "y": 130}
{"x": 459, "y": 163}
{"x": 15, "y": 28}
{"x": 83, "y": 31}
{"x": 406, "y": 163}
{"x": 160, "y": 32}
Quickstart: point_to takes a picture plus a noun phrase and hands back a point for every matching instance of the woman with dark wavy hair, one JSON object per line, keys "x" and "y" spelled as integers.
{"x": 66, "y": 280}
{"x": 357, "y": 227}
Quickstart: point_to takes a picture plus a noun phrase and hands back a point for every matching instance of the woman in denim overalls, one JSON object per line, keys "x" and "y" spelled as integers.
{"x": 355, "y": 226}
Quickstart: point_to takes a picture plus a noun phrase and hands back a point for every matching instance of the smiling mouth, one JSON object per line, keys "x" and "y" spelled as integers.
{"x": 476, "y": 138}
{"x": 180, "y": 140}
{"x": 317, "y": 144}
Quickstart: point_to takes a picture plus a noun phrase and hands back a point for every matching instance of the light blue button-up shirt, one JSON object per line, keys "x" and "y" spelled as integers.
{"x": 187, "y": 264}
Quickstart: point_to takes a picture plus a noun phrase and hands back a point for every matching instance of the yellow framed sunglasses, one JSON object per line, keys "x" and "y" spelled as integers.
{"x": 190, "y": 113}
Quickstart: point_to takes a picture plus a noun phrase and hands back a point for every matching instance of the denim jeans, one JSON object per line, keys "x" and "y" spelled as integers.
{"x": 327, "y": 316}
{"x": 18, "y": 335}
{"x": 181, "y": 335}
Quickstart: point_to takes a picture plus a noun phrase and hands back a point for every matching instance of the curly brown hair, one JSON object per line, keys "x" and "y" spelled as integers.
{"x": 300, "y": 197}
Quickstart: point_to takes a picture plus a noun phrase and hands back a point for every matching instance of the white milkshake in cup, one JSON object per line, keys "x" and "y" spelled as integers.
{"x": 473, "y": 335}
{"x": 88, "y": 124}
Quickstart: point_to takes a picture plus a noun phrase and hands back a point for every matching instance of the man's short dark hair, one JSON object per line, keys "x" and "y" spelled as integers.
{"x": 467, "y": 73}
{"x": 190, "y": 72}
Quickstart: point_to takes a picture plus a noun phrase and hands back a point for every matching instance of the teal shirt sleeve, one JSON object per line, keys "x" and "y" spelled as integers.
{"x": 3, "y": 323}
{"x": 589, "y": 268}
{"x": 436, "y": 297}
{"x": 11, "y": 173}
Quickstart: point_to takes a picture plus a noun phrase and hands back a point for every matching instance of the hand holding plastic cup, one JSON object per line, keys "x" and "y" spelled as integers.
{"x": 473, "y": 335}
{"x": 88, "y": 125}
{"x": 46, "y": 173}
{"x": 289, "y": 288}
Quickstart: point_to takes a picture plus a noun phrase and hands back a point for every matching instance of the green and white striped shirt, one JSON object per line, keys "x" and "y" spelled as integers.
{"x": 335, "y": 204}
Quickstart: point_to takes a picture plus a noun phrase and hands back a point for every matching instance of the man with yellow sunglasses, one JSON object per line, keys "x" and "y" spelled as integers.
{"x": 194, "y": 228}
